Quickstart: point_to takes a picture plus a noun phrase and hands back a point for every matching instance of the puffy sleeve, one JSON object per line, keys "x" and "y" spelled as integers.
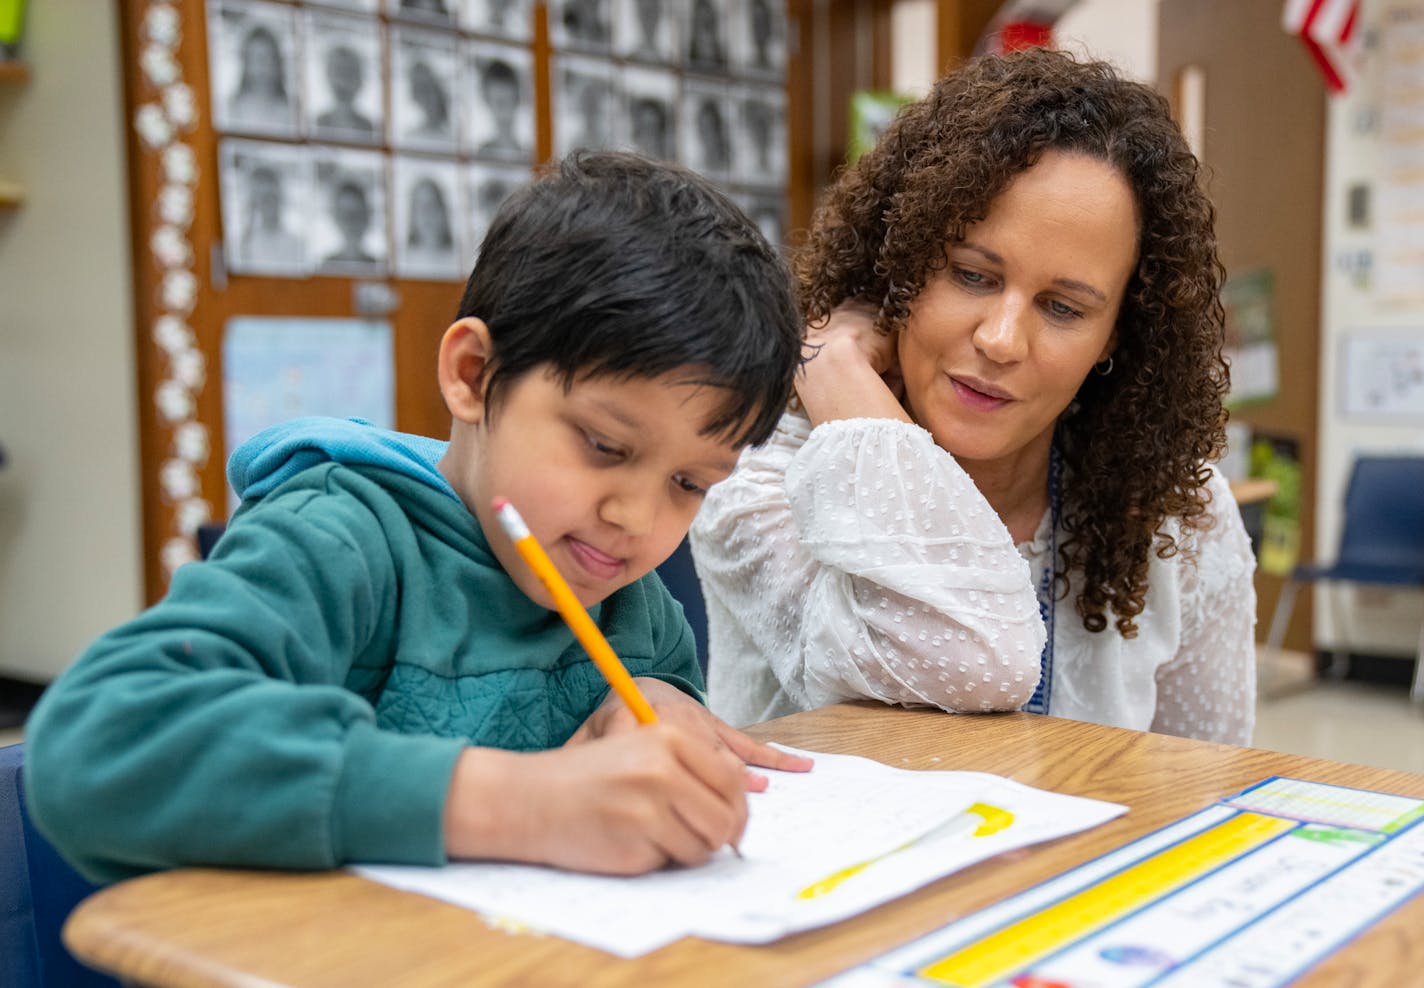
{"x": 216, "y": 728}
{"x": 858, "y": 560}
{"x": 1208, "y": 689}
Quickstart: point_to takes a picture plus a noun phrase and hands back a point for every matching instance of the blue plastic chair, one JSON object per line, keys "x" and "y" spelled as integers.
{"x": 1381, "y": 543}
{"x": 680, "y": 577}
{"x": 38, "y": 890}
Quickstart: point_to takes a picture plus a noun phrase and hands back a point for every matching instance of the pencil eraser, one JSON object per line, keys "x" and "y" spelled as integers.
{"x": 499, "y": 503}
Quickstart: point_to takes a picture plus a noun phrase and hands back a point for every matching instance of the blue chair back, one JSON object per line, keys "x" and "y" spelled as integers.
{"x": 1382, "y": 540}
{"x": 680, "y": 577}
{"x": 38, "y": 889}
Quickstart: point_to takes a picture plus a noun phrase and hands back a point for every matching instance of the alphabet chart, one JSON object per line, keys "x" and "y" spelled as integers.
{"x": 1248, "y": 893}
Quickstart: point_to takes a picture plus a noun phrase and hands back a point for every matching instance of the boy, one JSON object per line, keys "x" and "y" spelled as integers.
{"x": 365, "y": 670}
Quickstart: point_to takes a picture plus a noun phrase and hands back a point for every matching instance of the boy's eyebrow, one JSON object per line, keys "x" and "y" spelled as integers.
{"x": 1069, "y": 283}
{"x": 616, "y": 412}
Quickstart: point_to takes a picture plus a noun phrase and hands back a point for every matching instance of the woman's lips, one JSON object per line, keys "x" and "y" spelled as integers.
{"x": 979, "y": 395}
{"x": 595, "y": 562}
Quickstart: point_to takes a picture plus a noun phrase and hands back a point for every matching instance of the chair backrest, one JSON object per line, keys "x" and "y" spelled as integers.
{"x": 680, "y": 577}
{"x": 38, "y": 889}
{"x": 1382, "y": 540}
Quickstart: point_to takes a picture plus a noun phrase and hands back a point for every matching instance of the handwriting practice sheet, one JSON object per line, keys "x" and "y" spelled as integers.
{"x": 819, "y": 847}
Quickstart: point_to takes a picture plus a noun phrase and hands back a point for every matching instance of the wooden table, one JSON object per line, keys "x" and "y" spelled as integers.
{"x": 197, "y": 927}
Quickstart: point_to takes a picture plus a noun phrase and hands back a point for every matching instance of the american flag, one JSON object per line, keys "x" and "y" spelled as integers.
{"x": 1328, "y": 29}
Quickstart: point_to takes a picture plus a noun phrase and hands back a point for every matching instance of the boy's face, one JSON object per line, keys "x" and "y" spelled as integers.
{"x": 608, "y": 475}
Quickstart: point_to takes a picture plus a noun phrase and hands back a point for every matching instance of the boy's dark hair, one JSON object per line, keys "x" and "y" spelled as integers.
{"x": 616, "y": 264}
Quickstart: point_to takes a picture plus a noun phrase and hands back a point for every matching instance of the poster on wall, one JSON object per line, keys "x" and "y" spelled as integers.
{"x": 1382, "y": 375}
{"x": 871, "y": 111}
{"x": 1250, "y": 348}
{"x": 280, "y": 368}
{"x": 1400, "y": 241}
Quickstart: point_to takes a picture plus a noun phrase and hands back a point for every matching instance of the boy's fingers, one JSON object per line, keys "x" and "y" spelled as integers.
{"x": 754, "y": 752}
{"x": 720, "y": 772}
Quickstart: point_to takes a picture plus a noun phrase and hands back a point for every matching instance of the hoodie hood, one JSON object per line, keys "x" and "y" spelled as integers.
{"x": 274, "y": 456}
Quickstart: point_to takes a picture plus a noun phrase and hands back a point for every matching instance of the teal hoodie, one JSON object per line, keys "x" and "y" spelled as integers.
{"x": 299, "y": 699}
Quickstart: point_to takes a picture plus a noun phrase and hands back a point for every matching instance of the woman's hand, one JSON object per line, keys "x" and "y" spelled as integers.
{"x": 853, "y": 371}
{"x": 673, "y": 706}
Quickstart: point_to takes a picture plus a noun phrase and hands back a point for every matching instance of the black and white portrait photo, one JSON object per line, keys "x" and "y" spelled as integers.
{"x": 509, "y": 19}
{"x": 768, "y": 212}
{"x": 440, "y": 12}
{"x": 706, "y": 130}
{"x": 705, "y": 36}
{"x": 761, "y": 139}
{"x": 343, "y": 78}
{"x": 581, "y": 24}
{"x": 427, "y": 204}
{"x": 585, "y": 104}
{"x": 348, "y": 223}
{"x": 253, "y": 59}
{"x": 486, "y": 188}
{"x": 759, "y": 37}
{"x": 423, "y": 75}
{"x": 651, "y": 112}
{"x": 498, "y": 101}
{"x": 646, "y": 30}
{"x": 265, "y": 188}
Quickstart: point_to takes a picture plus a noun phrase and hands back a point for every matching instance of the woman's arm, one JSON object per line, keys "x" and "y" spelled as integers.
{"x": 1208, "y": 690}
{"x": 858, "y": 560}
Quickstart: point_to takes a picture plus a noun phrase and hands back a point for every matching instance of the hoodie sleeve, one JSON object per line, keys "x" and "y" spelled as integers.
{"x": 216, "y": 729}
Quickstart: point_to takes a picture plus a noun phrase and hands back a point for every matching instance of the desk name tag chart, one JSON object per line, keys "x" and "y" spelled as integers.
{"x": 1248, "y": 893}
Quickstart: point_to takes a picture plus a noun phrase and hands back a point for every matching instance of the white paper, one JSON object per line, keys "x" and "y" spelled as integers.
{"x": 804, "y": 829}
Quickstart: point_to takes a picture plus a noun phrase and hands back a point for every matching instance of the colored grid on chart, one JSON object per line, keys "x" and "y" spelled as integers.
{"x": 1049, "y": 930}
{"x": 1309, "y": 927}
{"x": 1317, "y": 802}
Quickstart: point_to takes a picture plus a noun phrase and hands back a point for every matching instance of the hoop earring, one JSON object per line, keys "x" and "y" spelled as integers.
{"x": 1103, "y": 367}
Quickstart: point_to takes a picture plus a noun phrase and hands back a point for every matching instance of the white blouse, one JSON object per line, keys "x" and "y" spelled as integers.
{"x": 858, "y": 560}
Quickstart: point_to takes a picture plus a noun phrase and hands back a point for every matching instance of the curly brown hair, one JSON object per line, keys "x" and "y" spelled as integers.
{"x": 1135, "y": 440}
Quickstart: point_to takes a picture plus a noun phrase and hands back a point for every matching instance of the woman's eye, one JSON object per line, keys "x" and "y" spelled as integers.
{"x": 1061, "y": 310}
{"x": 970, "y": 278}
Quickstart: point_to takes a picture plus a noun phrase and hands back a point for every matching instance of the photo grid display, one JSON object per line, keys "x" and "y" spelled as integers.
{"x": 366, "y": 138}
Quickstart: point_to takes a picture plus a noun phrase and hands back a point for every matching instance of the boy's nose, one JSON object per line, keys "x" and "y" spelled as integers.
{"x": 633, "y": 511}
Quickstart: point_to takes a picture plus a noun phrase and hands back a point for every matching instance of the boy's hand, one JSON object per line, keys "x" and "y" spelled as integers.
{"x": 623, "y": 804}
{"x": 673, "y": 706}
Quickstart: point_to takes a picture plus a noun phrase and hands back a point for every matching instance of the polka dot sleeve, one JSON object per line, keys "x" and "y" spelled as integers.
{"x": 857, "y": 560}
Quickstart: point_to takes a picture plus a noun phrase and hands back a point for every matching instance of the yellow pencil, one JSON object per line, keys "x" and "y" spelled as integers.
{"x": 573, "y": 612}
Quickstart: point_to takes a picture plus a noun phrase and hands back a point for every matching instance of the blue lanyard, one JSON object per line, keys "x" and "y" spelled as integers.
{"x": 1038, "y": 703}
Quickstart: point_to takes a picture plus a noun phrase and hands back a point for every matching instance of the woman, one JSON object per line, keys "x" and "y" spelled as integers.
{"x": 1014, "y": 387}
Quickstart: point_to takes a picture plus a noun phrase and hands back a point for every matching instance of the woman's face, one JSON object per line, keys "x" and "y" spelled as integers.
{"x": 998, "y": 342}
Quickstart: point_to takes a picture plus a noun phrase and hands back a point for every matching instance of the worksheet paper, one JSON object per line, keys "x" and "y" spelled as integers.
{"x": 819, "y": 847}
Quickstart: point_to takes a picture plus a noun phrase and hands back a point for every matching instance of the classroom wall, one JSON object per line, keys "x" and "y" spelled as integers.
{"x": 69, "y": 511}
{"x": 1123, "y": 32}
{"x": 1370, "y": 621}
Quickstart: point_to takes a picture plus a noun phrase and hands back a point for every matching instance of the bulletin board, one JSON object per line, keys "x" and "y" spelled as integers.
{"x": 333, "y": 164}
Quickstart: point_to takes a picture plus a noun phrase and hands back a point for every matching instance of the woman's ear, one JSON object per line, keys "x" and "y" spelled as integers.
{"x": 466, "y": 359}
{"x": 1108, "y": 348}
